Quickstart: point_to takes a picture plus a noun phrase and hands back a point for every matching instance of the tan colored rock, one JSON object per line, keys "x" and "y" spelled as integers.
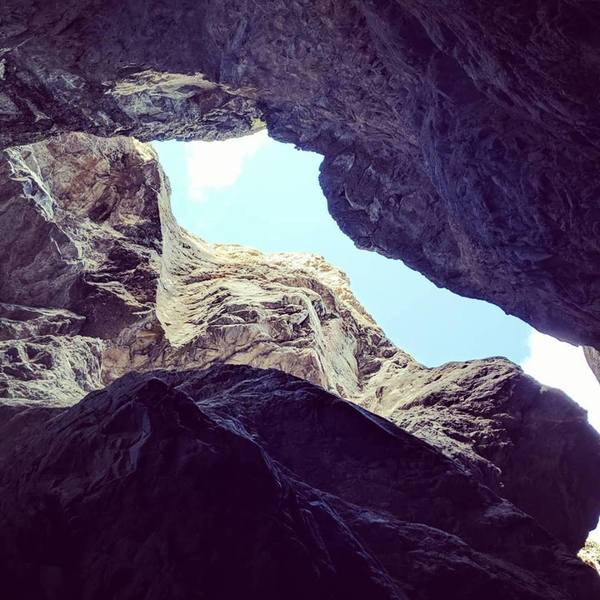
{"x": 590, "y": 554}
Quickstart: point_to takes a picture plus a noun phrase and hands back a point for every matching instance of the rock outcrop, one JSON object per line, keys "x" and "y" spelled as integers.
{"x": 590, "y": 554}
{"x": 593, "y": 359}
{"x": 241, "y": 482}
{"x": 80, "y": 250}
{"x": 520, "y": 438}
{"x": 459, "y": 137}
{"x": 113, "y": 301}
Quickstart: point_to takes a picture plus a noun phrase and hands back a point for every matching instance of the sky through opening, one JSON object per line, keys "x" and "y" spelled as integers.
{"x": 260, "y": 193}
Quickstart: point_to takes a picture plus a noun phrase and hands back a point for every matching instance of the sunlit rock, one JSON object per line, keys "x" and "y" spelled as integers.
{"x": 133, "y": 291}
{"x": 458, "y": 137}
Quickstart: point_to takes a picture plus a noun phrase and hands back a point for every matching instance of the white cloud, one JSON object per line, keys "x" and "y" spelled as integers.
{"x": 219, "y": 164}
{"x": 558, "y": 364}
{"x": 563, "y": 366}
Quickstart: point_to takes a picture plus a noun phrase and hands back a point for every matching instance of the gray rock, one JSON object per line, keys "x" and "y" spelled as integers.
{"x": 593, "y": 358}
{"x": 243, "y": 482}
{"x": 459, "y": 137}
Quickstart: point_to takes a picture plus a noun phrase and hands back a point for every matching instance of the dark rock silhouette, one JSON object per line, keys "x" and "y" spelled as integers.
{"x": 459, "y": 137}
{"x": 238, "y": 481}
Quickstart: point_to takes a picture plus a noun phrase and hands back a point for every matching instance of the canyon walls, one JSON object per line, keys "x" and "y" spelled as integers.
{"x": 240, "y": 481}
{"x": 470, "y": 475}
{"x": 458, "y": 137}
{"x": 180, "y": 419}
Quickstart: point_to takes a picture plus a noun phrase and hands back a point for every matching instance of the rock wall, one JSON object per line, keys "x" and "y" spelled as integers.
{"x": 125, "y": 288}
{"x": 459, "y": 137}
{"x": 80, "y": 251}
{"x": 242, "y": 482}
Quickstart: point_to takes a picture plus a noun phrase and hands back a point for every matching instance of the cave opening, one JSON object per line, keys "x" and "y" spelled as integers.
{"x": 263, "y": 194}
{"x": 181, "y": 417}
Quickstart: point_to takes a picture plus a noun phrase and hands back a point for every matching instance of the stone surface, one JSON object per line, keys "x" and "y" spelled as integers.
{"x": 43, "y": 357}
{"x": 243, "y": 482}
{"x": 520, "y": 438}
{"x": 458, "y": 136}
{"x": 195, "y": 304}
{"x": 593, "y": 358}
{"x": 590, "y": 554}
{"x": 80, "y": 242}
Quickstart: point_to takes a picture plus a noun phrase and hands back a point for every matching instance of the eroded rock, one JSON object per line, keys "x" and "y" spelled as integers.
{"x": 80, "y": 248}
{"x": 264, "y": 485}
{"x": 194, "y": 304}
{"x": 459, "y": 137}
{"x": 520, "y": 438}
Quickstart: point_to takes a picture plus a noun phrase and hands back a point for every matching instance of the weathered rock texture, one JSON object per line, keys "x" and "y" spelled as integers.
{"x": 237, "y": 482}
{"x": 590, "y": 554}
{"x": 196, "y": 304}
{"x": 80, "y": 243}
{"x": 458, "y": 136}
{"x": 593, "y": 358}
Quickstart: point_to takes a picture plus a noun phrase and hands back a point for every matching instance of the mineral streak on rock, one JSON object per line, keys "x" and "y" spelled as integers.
{"x": 265, "y": 486}
{"x": 460, "y": 137}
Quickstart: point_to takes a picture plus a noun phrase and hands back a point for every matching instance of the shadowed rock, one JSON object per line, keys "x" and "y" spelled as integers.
{"x": 520, "y": 438}
{"x": 237, "y": 481}
{"x": 459, "y": 137}
{"x": 150, "y": 295}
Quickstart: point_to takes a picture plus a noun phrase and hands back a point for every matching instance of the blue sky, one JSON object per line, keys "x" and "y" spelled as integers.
{"x": 261, "y": 193}
{"x": 274, "y": 203}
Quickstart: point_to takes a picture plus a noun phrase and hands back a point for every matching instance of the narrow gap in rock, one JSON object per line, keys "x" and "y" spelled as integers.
{"x": 260, "y": 193}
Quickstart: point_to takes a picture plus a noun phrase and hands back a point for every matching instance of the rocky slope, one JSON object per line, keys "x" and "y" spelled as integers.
{"x": 460, "y": 137}
{"x": 241, "y": 482}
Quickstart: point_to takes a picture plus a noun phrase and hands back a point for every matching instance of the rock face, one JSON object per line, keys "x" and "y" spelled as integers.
{"x": 80, "y": 248}
{"x": 264, "y": 486}
{"x": 521, "y": 439}
{"x": 194, "y": 304}
{"x": 593, "y": 358}
{"x": 590, "y": 554}
{"x": 460, "y": 137}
